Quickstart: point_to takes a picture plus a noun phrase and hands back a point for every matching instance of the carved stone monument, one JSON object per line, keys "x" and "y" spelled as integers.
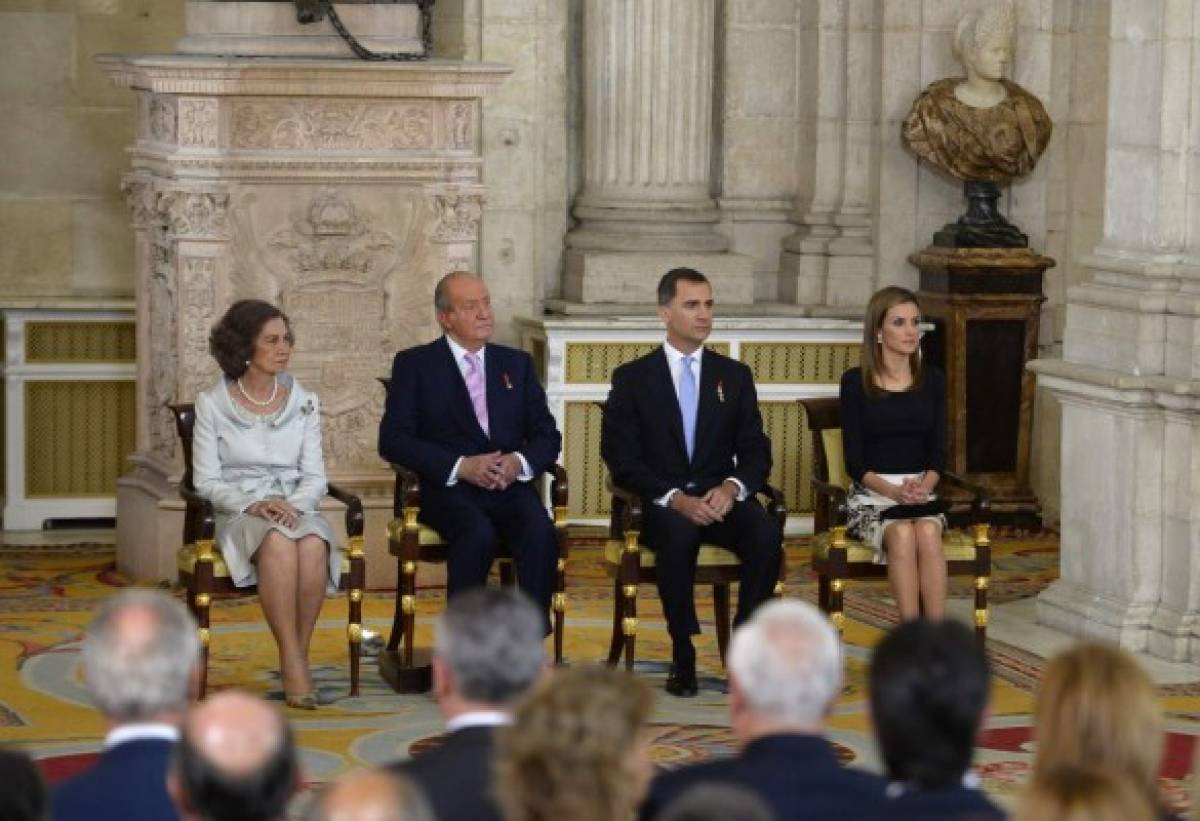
{"x": 338, "y": 189}
{"x": 981, "y": 284}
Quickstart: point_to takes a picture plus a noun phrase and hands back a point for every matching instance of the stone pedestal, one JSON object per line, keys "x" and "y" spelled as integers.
{"x": 986, "y": 306}
{"x": 339, "y": 190}
{"x": 646, "y": 202}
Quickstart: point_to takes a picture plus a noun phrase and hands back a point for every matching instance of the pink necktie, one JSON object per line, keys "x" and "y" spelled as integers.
{"x": 476, "y": 389}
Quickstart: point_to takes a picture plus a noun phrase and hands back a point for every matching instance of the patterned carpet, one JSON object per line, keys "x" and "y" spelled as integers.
{"x": 47, "y": 594}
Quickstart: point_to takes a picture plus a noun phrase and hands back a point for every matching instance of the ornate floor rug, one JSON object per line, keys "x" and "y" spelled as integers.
{"x": 47, "y": 595}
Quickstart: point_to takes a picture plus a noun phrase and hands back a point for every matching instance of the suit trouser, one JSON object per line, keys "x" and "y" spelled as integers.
{"x": 473, "y": 520}
{"x": 748, "y": 531}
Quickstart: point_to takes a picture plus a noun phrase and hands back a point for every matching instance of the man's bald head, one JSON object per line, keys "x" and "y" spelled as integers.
{"x": 236, "y": 759}
{"x": 372, "y": 795}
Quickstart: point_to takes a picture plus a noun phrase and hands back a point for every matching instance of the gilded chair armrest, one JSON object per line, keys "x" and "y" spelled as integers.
{"x": 631, "y": 516}
{"x": 559, "y": 486}
{"x": 833, "y": 497}
{"x": 204, "y": 516}
{"x": 776, "y": 502}
{"x": 354, "y": 508}
{"x": 981, "y": 500}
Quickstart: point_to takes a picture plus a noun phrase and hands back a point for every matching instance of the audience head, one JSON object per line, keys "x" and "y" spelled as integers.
{"x": 717, "y": 802}
{"x": 1071, "y": 794}
{"x": 372, "y": 795}
{"x": 235, "y": 761}
{"x": 464, "y": 308}
{"x": 929, "y": 689}
{"x": 141, "y": 656}
{"x": 685, "y": 306}
{"x": 1098, "y": 709}
{"x": 883, "y": 328}
{"x": 488, "y": 648}
{"x": 785, "y": 669}
{"x": 23, "y": 797}
{"x": 576, "y": 748}
{"x": 235, "y": 340}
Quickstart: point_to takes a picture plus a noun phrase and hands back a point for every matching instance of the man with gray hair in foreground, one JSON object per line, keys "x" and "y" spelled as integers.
{"x": 785, "y": 673}
{"x": 488, "y": 651}
{"x": 236, "y": 761}
{"x": 141, "y": 659}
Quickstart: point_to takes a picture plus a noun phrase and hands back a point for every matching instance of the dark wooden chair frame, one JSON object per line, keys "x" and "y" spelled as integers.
{"x": 625, "y": 525}
{"x": 830, "y": 515}
{"x": 403, "y": 666}
{"x": 199, "y": 525}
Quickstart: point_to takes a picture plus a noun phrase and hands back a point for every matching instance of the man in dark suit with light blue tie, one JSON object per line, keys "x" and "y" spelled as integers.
{"x": 470, "y": 417}
{"x": 683, "y": 431}
{"x": 141, "y": 664}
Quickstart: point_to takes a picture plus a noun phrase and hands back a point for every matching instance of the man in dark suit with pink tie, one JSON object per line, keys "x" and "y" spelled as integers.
{"x": 682, "y": 430}
{"x": 470, "y": 417}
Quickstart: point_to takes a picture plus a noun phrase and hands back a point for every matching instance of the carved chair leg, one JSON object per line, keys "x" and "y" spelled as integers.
{"x": 397, "y": 621}
{"x": 354, "y": 627}
{"x": 559, "y": 607}
{"x": 721, "y": 612}
{"x": 617, "y": 643}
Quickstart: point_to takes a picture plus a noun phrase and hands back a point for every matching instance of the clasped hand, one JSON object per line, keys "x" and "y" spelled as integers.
{"x": 713, "y": 506}
{"x": 275, "y": 509}
{"x": 912, "y": 492}
{"x": 490, "y": 471}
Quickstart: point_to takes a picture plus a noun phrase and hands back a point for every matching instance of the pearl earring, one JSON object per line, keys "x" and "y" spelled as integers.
{"x": 878, "y": 339}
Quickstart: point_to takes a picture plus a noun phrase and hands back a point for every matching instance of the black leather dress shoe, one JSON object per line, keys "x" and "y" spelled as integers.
{"x": 681, "y": 682}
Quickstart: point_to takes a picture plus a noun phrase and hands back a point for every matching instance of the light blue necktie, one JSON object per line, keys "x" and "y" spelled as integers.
{"x": 687, "y": 403}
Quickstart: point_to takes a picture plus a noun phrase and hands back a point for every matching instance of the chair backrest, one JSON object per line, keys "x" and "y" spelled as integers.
{"x": 185, "y": 422}
{"x": 825, "y": 424}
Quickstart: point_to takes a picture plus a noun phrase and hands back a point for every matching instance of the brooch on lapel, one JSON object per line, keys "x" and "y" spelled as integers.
{"x": 507, "y": 382}
{"x": 720, "y": 391}
{"x": 308, "y": 407}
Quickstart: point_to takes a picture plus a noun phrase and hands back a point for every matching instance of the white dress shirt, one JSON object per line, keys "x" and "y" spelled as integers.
{"x": 460, "y": 353}
{"x": 675, "y": 363}
{"x": 140, "y": 731}
{"x": 479, "y": 718}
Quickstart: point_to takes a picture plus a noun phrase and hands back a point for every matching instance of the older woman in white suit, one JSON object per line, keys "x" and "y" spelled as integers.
{"x": 257, "y": 457}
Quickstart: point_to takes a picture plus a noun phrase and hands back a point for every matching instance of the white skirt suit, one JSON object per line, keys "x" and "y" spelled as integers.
{"x": 239, "y": 458}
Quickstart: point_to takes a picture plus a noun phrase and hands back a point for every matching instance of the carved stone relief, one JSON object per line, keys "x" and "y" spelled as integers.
{"x": 196, "y": 215}
{"x": 461, "y": 125}
{"x": 160, "y": 391}
{"x": 457, "y": 215}
{"x": 197, "y": 305}
{"x": 162, "y": 118}
{"x": 142, "y": 200}
{"x": 328, "y": 125}
{"x": 198, "y": 123}
{"x": 351, "y": 290}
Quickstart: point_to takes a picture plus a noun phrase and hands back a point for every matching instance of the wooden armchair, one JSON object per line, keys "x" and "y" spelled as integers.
{"x": 836, "y": 557}
{"x": 202, "y": 568}
{"x": 630, "y": 564}
{"x": 406, "y": 668}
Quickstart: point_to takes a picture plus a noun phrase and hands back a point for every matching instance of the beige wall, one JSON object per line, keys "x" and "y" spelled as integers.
{"x": 63, "y": 133}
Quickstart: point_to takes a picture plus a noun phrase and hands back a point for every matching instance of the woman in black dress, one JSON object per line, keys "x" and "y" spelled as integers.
{"x": 894, "y": 440}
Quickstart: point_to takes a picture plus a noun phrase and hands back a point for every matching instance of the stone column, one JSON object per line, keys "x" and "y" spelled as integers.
{"x": 646, "y": 201}
{"x": 1128, "y": 381}
{"x": 829, "y": 260}
{"x": 338, "y": 189}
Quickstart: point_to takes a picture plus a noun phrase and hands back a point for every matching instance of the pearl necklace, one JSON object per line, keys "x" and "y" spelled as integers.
{"x": 252, "y": 400}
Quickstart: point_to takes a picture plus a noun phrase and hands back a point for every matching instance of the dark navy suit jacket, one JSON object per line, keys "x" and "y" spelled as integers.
{"x": 457, "y": 776}
{"x": 642, "y": 434}
{"x": 951, "y": 804}
{"x": 797, "y": 775}
{"x": 128, "y": 783}
{"x": 429, "y": 421}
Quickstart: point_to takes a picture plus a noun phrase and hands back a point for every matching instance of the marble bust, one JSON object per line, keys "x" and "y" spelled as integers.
{"x": 983, "y": 128}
